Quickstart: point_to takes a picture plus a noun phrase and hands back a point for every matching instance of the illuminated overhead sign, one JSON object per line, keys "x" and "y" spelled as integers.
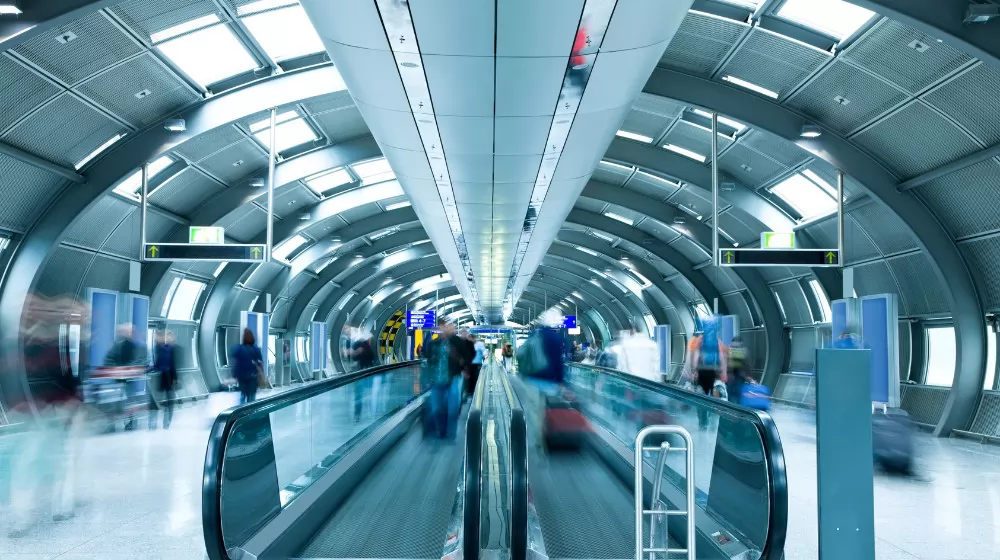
{"x": 421, "y": 319}
{"x": 569, "y": 322}
{"x": 777, "y": 240}
{"x": 230, "y": 252}
{"x": 206, "y": 235}
{"x": 780, "y": 257}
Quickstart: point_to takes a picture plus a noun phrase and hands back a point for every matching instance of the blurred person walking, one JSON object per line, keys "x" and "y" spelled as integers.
{"x": 478, "y": 356}
{"x": 707, "y": 362}
{"x": 739, "y": 358}
{"x": 508, "y": 355}
{"x": 638, "y": 356}
{"x": 247, "y": 366}
{"x": 444, "y": 367}
{"x": 165, "y": 363}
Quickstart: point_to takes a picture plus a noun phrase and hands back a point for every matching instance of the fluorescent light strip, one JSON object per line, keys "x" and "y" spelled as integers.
{"x": 596, "y": 18}
{"x": 588, "y": 251}
{"x": 98, "y": 151}
{"x": 398, "y": 24}
{"x": 634, "y": 136}
{"x": 397, "y": 205}
{"x": 600, "y": 235}
{"x": 619, "y": 218}
{"x": 726, "y": 121}
{"x": 751, "y": 86}
{"x": 686, "y": 152}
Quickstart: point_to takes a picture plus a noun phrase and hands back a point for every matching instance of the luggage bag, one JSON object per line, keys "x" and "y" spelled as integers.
{"x": 564, "y": 426}
{"x": 892, "y": 440}
{"x": 756, "y": 396}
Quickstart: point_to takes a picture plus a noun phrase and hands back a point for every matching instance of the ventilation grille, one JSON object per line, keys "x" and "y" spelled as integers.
{"x": 966, "y": 200}
{"x": 35, "y": 190}
{"x": 115, "y": 90}
{"x": 982, "y": 256}
{"x": 21, "y": 91}
{"x": 971, "y": 99}
{"x": 204, "y": 145}
{"x": 649, "y": 103}
{"x": 773, "y": 61}
{"x": 874, "y": 278}
{"x": 341, "y": 126}
{"x": 750, "y": 167}
{"x": 987, "y": 420}
{"x": 886, "y": 52}
{"x": 149, "y": 16}
{"x": 702, "y": 42}
{"x": 869, "y": 97}
{"x": 96, "y": 223}
{"x": 920, "y": 293}
{"x": 885, "y": 228}
{"x": 183, "y": 193}
{"x": 646, "y": 123}
{"x": 925, "y": 404}
{"x": 914, "y": 140}
{"x": 224, "y": 164}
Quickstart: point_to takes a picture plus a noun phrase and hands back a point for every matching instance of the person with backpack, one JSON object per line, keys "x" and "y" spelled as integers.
{"x": 737, "y": 365}
{"x": 707, "y": 359}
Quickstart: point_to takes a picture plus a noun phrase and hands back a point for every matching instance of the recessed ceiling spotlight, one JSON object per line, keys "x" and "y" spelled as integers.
{"x": 257, "y": 182}
{"x": 175, "y": 125}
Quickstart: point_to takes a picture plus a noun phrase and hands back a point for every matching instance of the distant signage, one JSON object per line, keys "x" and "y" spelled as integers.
{"x": 780, "y": 257}
{"x": 777, "y": 240}
{"x": 206, "y": 235}
{"x": 230, "y": 252}
{"x": 575, "y": 330}
{"x": 421, "y": 319}
{"x": 569, "y": 322}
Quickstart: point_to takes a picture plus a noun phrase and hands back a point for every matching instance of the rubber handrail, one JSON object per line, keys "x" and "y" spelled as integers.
{"x": 211, "y": 490}
{"x": 473, "y": 484}
{"x": 519, "y": 485}
{"x": 774, "y": 455}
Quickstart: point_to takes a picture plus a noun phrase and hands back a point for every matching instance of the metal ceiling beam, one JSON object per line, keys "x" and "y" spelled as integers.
{"x": 40, "y": 163}
{"x": 949, "y": 266}
{"x": 944, "y": 20}
{"x": 952, "y": 167}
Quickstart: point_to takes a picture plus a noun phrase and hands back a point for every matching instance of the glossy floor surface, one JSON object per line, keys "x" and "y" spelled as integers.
{"x": 138, "y": 495}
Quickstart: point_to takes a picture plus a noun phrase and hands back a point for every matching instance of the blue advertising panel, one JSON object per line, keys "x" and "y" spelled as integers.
{"x": 139, "y": 317}
{"x": 421, "y": 319}
{"x": 661, "y": 335}
{"x": 569, "y": 322}
{"x": 317, "y": 340}
{"x": 729, "y": 327}
{"x": 879, "y": 332}
{"x": 103, "y": 321}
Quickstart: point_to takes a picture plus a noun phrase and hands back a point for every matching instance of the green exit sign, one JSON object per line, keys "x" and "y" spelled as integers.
{"x": 777, "y": 240}
{"x": 206, "y": 235}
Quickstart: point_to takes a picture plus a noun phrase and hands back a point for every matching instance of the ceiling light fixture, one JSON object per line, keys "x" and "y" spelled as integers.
{"x": 981, "y": 13}
{"x": 751, "y": 86}
{"x": 10, "y": 7}
{"x": 811, "y": 131}
{"x": 175, "y": 125}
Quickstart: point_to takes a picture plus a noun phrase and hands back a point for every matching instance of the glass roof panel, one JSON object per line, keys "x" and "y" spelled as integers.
{"x": 209, "y": 55}
{"x": 329, "y": 181}
{"x": 808, "y": 199}
{"x": 288, "y": 247}
{"x": 131, "y": 185}
{"x": 836, "y": 18}
{"x": 285, "y": 33}
{"x": 290, "y": 134}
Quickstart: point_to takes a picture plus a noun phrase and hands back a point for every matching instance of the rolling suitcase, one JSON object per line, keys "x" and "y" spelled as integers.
{"x": 756, "y": 396}
{"x": 892, "y": 440}
{"x": 564, "y": 426}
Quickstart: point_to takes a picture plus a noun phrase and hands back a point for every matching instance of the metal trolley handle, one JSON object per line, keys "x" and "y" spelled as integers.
{"x": 659, "y": 511}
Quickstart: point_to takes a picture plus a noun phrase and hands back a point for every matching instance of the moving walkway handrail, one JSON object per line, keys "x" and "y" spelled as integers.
{"x": 519, "y": 473}
{"x": 211, "y": 492}
{"x": 774, "y": 455}
{"x": 472, "y": 533}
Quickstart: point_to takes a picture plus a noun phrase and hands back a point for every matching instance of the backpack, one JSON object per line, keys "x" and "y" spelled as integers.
{"x": 531, "y": 360}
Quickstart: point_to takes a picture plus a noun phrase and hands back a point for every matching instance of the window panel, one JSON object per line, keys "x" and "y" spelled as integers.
{"x": 991, "y": 359}
{"x": 99, "y": 150}
{"x": 169, "y": 296}
{"x": 285, "y": 33}
{"x": 365, "y": 195}
{"x": 285, "y": 249}
{"x": 824, "y": 303}
{"x": 326, "y": 182}
{"x": 181, "y": 29}
{"x": 133, "y": 183}
{"x": 374, "y": 171}
{"x": 940, "y": 356}
{"x": 291, "y": 133}
{"x": 808, "y": 199}
{"x": 836, "y": 18}
{"x": 209, "y": 55}
{"x": 185, "y": 297}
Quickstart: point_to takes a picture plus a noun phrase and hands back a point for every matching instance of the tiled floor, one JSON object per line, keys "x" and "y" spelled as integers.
{"x": 951, "y": 512}
{"x": 138, "y": 496}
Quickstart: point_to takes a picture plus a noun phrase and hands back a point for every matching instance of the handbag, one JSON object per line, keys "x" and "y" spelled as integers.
{"x": 262, "y": 381}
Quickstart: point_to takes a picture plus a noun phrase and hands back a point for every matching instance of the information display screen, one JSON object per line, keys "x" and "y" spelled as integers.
{"x": 569, "y": 322}
{"x": 421, "y": 319}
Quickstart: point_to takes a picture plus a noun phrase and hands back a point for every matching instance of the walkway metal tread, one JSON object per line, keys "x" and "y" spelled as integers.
{"x": 402, "y": 508}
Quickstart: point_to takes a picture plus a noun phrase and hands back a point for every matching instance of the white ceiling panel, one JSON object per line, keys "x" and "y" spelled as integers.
{"x": 534, "y": 28}
{"x": 407, "y": 163}
{"x": 470, "y": 168}
{"x": 618, "y": 77}
{"x": 455, "y": 27}
{"x": 515, "y": 169}
{"x": 473, "y": 193}
{"x": 350, "y": 23}
{"x": 392, "y": 128}
{"x": 371, "y": 76}
{"x": 466, "y": 135}
{"x": 460, "y": 85}
{"x": 588, "y": 141}
{"x": 520, "y": 135}
{"x": 520, "y": 192}
{"x": 528, "y": 87}
{"x": 640, "y": 23}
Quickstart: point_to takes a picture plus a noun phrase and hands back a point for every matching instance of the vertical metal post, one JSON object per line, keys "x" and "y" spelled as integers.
{"x": 144, "y": 191}
{"x": 716, "y": 261}
{"x": 270, "y": 182}
{"x": 840, "y": 220}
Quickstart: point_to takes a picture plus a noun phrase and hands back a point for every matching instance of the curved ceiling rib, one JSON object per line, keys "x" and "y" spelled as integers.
{"x": 949, "y": 265}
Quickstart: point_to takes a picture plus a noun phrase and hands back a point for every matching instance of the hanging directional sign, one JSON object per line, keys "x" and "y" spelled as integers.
{"x": 229, "y": 252}
{"x": 779, "y": 257}
{"x": 421, "y": 319}
{"x": 207, "y": 235}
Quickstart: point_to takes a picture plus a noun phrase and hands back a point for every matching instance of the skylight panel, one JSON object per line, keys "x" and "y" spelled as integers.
{"x": 634, "y": 136}
{"x": 219, "y": 269}
{"x": 282, "y": 251}
{"x": 365, "y": 195}
{"x": 805, "y": 197}
{"x": 751, "y": 86}
{"x": 98, "y": 151}
{"x": 686, "y": 152}
{"x": 600, "y": 235}
{"x": 398, "y": 205}
{"x": 724, "y": 120}
{"x": 751, "y": 4}
{"x": 824, "y": 302}
{"x": 265, "y": 123}
{"x": 836, "y": 18}
{"x": 326, "y": 182}
{"x": 619, "y": 217}
{"x": 133, "y": 183}
{"x": 431, "y": 281}
{"x": 588, "y": 251}
{"x": 374, "y": 171}
{"x": 291, "y": 133}
{"x": 209, "y": 55}
{"x": 187, "y": 26}
{"x": 820, "y": 182}
{"x": 616, "y": 166}
{"x": 285, "y": 33}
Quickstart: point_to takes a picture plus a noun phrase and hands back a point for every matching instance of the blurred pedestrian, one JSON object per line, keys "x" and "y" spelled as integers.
{"x": 739, "y": 358}
{"x": 247, "y": 366}
{"x": 445, "y": 365}
{"x": 165, "y": 364}
{"x": 638, "y": 356}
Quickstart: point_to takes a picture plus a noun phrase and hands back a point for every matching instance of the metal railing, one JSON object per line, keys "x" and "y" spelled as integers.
{"x": 658, "y": 511}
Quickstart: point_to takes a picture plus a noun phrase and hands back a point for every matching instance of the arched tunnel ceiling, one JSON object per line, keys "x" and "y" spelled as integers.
{"x": 914, "y": 205}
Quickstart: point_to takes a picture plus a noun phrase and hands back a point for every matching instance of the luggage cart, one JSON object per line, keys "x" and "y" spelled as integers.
{"x": 119, "y": 393}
